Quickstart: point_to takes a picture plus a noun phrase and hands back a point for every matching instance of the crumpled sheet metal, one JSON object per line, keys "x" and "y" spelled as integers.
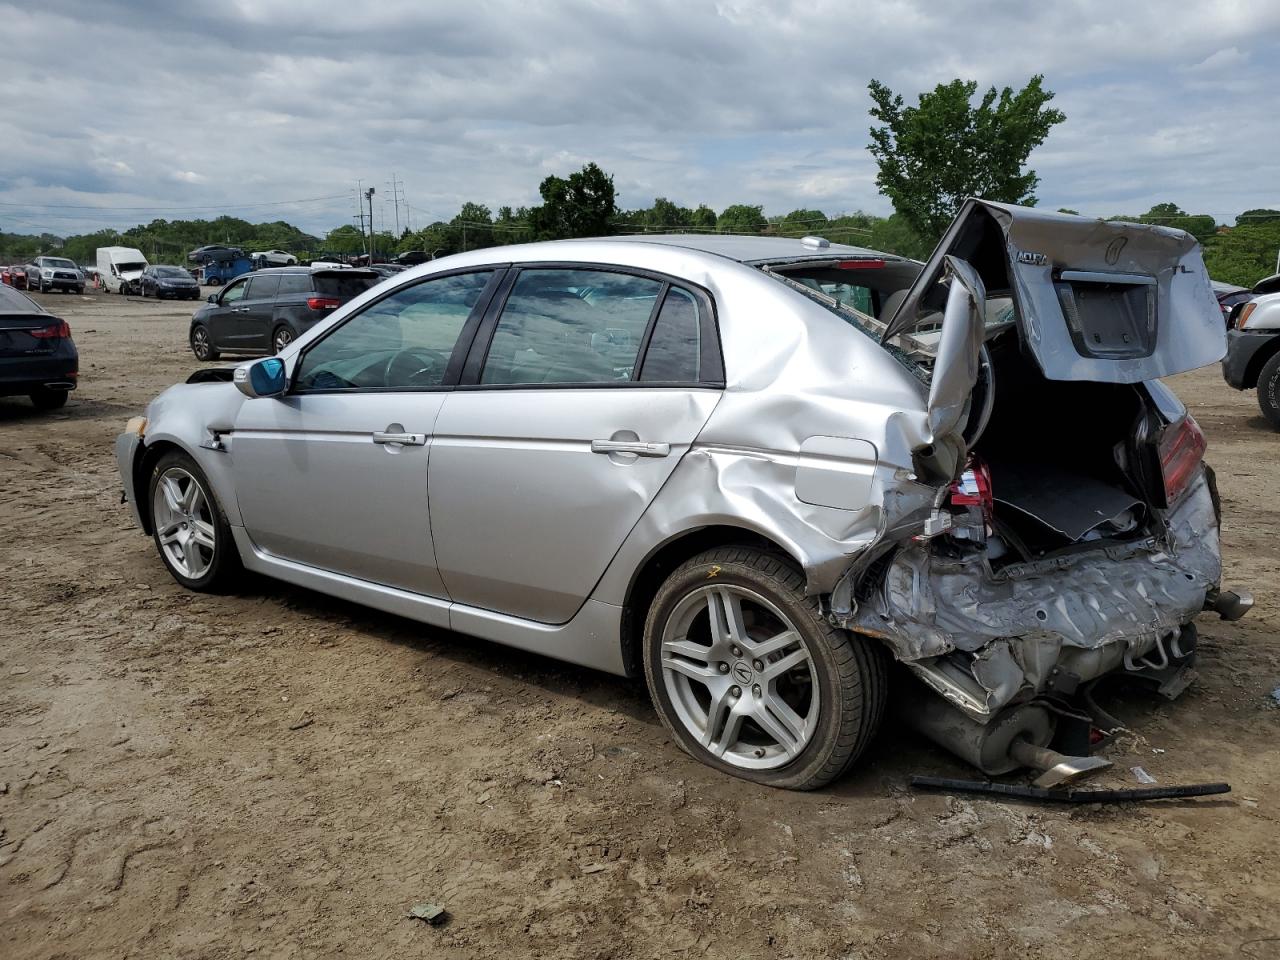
{"x": 931, "y": 606}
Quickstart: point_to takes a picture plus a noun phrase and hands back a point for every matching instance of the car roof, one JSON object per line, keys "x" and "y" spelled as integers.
{"x": 315, "y": 268}
{"x": 755, "y": 249}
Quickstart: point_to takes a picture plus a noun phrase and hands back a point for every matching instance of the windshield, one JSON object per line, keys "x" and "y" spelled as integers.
{"x": 131, "y": 266}
{"x": 60, "y": 263}
{"x": 172, "y": 272}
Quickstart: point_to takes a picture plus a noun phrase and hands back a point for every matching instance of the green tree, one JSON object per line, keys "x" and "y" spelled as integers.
{"x": 896, "y": 235}
{"x": 800, "y": 222}
{"x": 581, "y": 206}
{"x": 1256, "y": 216}
{"x": 704, "y": 218}
{"x": 345, "y": 239}
{"x": 474, "y": 226}
{"x": 1245, "y": 254}
{"x": 934, "y": 155}
{"x": 1201, "y": 226}
{"x": 741, "y": 218}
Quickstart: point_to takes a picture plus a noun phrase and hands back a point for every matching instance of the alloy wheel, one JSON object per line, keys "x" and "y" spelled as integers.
{"x": 740, "y": 677}
{"x": 200, "y": 343}
{"x": 184, "y": 523}
{"x": 283, "y": 337}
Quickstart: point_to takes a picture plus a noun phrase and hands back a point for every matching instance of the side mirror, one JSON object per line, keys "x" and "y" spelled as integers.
{"x": 261, "y": 378}
{"x": 212, "y": 298}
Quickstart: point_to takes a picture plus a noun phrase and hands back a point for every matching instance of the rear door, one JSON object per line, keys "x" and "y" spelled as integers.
{"x": 581, "y": 393}
{"x": 1095, "y": 300}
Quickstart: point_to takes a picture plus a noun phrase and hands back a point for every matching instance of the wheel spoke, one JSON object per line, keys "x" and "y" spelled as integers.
{"x": 694, "y": 671}
{"x": 172, "y": 494}
{"x": 725, "y": 610}
{"x": 202, "y": 533}
{"x": 789, "y": 740}
{"x": 775, "y": 644}
{"x": 729, "y": 735}
{"x": 169, "y": 532}
{"x": 776, "y": 669}
{"x": 191, "y": 557}
{"x": 718, "y": 712}
{"x": 686, "y": 648}
{"x": 190, "y": 496}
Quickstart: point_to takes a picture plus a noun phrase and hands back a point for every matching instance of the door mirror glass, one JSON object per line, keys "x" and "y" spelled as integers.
{"x": 262, "y": 378}
{"x": 212, "y": 298}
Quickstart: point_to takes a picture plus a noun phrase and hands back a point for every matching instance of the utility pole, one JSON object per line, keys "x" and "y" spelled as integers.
{"x": 368, "y": 195}
{"x": 397, "y": 189}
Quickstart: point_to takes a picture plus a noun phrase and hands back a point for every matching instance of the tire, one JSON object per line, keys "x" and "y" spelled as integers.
{"x": 846, "y": 672}
{"x": 281, "y": 337}
{"x": 202, "y": 343}
{"x": 1269, "y": 390}
{"x": 190, "y": 531}
{"x": 49, "y": 399}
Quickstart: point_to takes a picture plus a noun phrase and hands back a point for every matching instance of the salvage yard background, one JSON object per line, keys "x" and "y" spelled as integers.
{"x": 281, "y": 774}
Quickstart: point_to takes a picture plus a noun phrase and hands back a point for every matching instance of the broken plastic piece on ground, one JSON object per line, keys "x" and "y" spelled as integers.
{"x": 432, "y": 913}
{"x": 1019, "y": 791}
{"x": 1142, "y": 775}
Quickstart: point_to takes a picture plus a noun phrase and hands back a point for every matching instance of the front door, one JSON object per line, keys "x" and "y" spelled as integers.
{"x": 223, "y": 319}
{"x": 586, "y": 390}
{"x": 334, "y": 473}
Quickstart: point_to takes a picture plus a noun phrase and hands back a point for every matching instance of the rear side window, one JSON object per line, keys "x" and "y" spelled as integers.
{"x": 263, "y": 287}
{"x": 675, "y": 347}
{"x": 336, "y": 285}
{"x": 292, "y": 283}
{"x": 570, "y": 326}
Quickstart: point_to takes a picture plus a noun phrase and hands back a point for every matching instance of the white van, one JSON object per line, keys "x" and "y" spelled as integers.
{"x": 119, "y": 268}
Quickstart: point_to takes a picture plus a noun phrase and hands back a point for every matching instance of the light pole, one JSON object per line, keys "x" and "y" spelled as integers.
{"x": 368, "y": 195}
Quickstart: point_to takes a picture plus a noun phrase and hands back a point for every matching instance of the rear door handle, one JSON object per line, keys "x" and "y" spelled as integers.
{"x": 408, "y": 439}
{"x": 638, "y": 447}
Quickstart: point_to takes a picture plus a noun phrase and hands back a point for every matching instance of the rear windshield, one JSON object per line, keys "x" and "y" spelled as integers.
{"x": 11, "y": 301}
{"x": 343, "y": 285}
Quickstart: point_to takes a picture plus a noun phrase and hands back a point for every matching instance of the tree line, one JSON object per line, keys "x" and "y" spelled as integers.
{"x": 949, "y": 145}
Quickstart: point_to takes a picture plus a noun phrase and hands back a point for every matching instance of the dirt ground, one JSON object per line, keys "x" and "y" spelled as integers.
{"x": 279, "y": 774}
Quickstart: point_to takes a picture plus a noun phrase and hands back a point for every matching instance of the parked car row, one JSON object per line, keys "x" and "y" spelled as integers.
{"x": 45, "y": 274}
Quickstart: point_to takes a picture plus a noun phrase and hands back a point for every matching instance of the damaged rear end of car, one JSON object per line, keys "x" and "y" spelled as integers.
{"x": 1074, "y": 530}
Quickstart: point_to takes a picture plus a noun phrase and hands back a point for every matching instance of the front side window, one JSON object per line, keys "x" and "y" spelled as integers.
{"x": 233, "y": 292}
{"x": 570, "y": 326}
{"x": 402, "y": 341}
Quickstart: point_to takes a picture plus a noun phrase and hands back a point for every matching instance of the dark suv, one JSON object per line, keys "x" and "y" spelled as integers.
{"x": 262, "y": 312}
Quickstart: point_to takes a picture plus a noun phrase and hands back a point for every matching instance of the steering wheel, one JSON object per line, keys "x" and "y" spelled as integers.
{"x": 407, "y": 367}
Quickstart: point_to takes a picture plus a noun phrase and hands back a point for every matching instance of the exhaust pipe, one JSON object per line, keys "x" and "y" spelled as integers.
{"x": 59, "y": 385}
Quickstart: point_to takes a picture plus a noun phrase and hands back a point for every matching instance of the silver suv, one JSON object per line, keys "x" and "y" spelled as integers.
{"x": 756, "y": 471}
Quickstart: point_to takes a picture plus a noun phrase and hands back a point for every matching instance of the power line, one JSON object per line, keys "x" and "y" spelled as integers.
{"x": 209, "y": 206}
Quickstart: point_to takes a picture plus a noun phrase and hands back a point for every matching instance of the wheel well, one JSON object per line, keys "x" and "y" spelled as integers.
{"x": 142, "y": 465}
{"x": 1258, "y": 361}
{"x": 649, "y": 579}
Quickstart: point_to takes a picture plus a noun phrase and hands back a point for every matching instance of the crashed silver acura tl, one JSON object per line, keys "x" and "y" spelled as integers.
{"x": 757, "y": 471}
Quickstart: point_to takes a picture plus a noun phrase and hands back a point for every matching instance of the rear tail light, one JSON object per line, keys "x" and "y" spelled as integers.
{"x": 323, "y": 303}
{"x": 1182, "y": 447}
{"x": 53, "y": 331}
{"x": 859, "y": 264}
{"x": 973, "y": 489}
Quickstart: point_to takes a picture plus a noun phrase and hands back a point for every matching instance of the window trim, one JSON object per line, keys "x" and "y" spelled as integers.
{"x": 497, "y": 274}
{"x": 711, "y": 357}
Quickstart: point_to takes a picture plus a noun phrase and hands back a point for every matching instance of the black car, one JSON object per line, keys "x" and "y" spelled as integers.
{"x": 37, "y": 355}
{"x": 264, "y": 311}
{"x": 162, "y": 281}
{"x": 54, "y": 273}
{"x": 215, "y": 253}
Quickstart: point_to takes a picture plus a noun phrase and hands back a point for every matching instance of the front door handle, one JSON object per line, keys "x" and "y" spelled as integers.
{"x": 408, "y": 439}
{"x": 638, "y": 447}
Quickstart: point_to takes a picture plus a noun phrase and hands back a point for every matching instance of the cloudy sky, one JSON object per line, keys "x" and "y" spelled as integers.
{"x": 120, "y": 112}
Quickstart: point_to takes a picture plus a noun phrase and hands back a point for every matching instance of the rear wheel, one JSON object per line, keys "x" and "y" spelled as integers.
{"x": 281, "y": 338}
{"x": 202, "y": 344}
{"x": 189, "y": 528}
{"x": 49, "y": 399}
{"x": 1269, "y": 390}
{"x": 751, "y": 679}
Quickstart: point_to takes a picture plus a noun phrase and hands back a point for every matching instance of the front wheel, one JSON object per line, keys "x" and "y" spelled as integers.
{"x": 751, "y": 679}
{"x": 1269, "y": 391}
{"x": 189, "y": 528}
{"x": 202, "y": 344}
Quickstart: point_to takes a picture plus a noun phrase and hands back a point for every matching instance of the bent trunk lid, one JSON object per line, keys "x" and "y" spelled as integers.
{"x": 1096, "y": 300}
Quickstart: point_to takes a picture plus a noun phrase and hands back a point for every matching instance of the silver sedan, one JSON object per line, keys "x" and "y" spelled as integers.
{"x": 756, "y": 471}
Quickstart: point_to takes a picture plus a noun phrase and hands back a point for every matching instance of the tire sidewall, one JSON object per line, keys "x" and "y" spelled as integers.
{"x": 802, "y": 615}
{"x": 223, "y": 546}
{"x": 208, "y": 354}
{"x": 1269, "y": 391}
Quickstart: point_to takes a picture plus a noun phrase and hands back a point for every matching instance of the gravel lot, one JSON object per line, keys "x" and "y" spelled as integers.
{"x": 281, "y": 774}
